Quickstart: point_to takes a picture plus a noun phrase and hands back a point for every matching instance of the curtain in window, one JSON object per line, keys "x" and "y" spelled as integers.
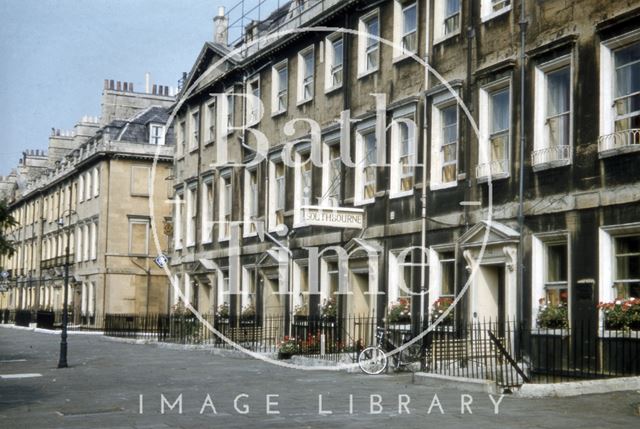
{"x": 558, "y": 107}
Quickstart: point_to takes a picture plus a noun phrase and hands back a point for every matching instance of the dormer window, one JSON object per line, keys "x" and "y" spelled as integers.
{"x": 156, "y": 134}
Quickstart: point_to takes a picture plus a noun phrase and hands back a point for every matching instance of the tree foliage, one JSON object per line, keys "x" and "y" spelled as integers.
{"x": 6, "y": 222}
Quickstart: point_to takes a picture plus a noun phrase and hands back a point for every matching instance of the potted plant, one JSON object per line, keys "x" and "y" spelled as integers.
{"x": 621, "y": 314}
{"x": 248, "y": 313}
{"x": 222, "y": 313}
{"x": 329, "y": 309}
{"x": 553, "y": 316}
{"x": 439, "y": 307}
{"x": 400, "y": 311}
{"x": 287, "y": 348}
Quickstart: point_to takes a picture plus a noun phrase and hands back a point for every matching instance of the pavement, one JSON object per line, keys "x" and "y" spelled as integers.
{"x": 102, "y": 388}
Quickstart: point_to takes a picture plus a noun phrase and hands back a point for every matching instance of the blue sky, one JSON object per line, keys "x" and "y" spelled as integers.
{"x": 55, "y": 55}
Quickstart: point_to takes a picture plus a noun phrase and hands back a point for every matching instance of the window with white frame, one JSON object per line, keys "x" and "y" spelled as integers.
{"x": 306, "y": 72}
{"x": 192, "y": 214}
{"x": 277, "y": 188}
{"x": 495, "y": 136}
{"x": 403, "y": 152}
{"x": 446, "y": 19}
{"x": 280, "y": 88}
{"x": 368, "y": 43}
{"x": 177, "y": 221}
{"x": 138, "y": 237}
{"x": 254, "y": 112}
{"x": 549, "y": 272}
{"x": 620, "y": 92}
{"x": 491, "y": 8}
{"x": 94, "y": 241}
{"x": 194, "y": 128}
{"x": 302, "y": 183}
{"x": 552, "y": 121}
{"x": 211, "y": 121}
{"x": 405, "y": 28}
{"x": 87, "y": 186}
{"x": 79, "y": 247}
{"x": 334, "y": 62}
{"x": 444, "y": 146}
{"x": 229, "y": 107}
{"x": 207, "y": 211}
{"x": 251, "y": 194}
{"x": 400, "y": 267}
{"x": 366, "y": 170}
{"x": 331, "y": 171}
{"x": 447, "y": 261}
{"x": 224, "y": 206}
{"x": 182, "y": 138}
{"x": 626, "y": 268}
{"x": 156, "y": 134}
{"x": 96, "y": 183}
{"x": 85, "y": 242}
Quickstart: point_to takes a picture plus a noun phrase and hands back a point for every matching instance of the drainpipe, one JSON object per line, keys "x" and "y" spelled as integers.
{"x": 523, "y": 33}
{"x": 423, "y": 198}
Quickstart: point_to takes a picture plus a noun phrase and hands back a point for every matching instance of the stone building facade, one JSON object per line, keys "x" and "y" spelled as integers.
{"x": 517, "y": 180}
{"x": 93, "y": 195}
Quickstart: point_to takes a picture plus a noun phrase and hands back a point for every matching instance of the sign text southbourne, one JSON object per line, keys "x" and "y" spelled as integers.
{"x": 336, "y": 217}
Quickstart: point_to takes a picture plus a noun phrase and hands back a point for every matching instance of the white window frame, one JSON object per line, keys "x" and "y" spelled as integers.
{"x": 564, "y": 153}
{"x": 228, "y": 111}
{"x": 435, "y": 261}
{"x": 331, "y": 69}
{"x": 211, "y": 121}
{"x": 298, "y": 189}
{"x": 87, "y": 191}
{"x": 303, "y": 79}
{"x": 610, "y": 142}
{"x": 96, "y": 183}
{"x": 439, "y": 10}
{"x": 251, "y": 202}
{"x": 254, "y": 113}
{"x": 182, "y": 138}
{"x": 485, "y": 117}
{"x": 487, "y": 11}
{"x": 273, "y": 192}
{"x": 194, "y": 129}
{"x": 224, "y": 208}
{"x": 361, "y": 157}
{"x": 396, "y": 174}
{"x": 178, "y": 238}
{"x": 276, "y": 91}
{"x": 207, "y": 210}
{"x": 399, "y": 34}
{"x": 328, "y": 188}
{"x": 156, "y": 134}
{"x": 367, "y": 46}
{"x": 93, "y": 254}
{"x": 85, "y": 242}
{"x": 437, "y": 154}
{"x": 192, "y": 209}
{"x": 539, "y": 269}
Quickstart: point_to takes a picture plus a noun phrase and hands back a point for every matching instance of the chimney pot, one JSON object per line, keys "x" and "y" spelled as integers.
{"x": 131, "y": 86}
{"x": 111, "y": 84}
{"x": 125, "y": 86}
{"x": 106, "y": 84}
{"x": 119, "y": 86}
{"x": 155, "y": 89}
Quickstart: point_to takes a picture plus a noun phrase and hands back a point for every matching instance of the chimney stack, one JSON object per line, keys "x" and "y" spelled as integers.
{"x": 147, "y": 81}
{"x": 221, "y": 28}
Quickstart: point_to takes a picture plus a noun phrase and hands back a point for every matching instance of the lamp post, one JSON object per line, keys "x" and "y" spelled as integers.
{"x": 62, "y": 362}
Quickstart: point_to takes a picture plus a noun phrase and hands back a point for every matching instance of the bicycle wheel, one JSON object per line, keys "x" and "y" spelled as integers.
{"x": 372, "y": 360}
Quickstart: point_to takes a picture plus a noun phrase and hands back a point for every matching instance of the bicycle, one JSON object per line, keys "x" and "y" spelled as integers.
{"x": 374, "y": 360}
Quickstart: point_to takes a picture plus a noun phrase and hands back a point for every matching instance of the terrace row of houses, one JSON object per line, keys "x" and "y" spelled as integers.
{"x": 502, "y": 171}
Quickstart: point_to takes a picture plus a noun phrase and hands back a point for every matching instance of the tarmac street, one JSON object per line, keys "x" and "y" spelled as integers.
{"x": 112, "y": 384}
